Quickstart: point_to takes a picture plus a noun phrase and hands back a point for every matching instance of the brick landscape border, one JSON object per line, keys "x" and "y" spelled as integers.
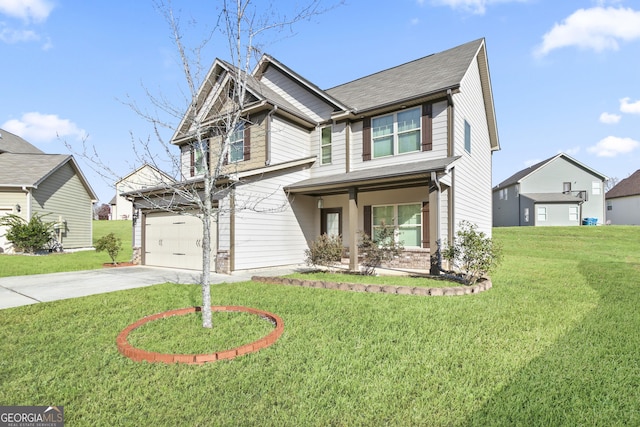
{"x": 480, "y": 286}
{"x": 139, "y": 355}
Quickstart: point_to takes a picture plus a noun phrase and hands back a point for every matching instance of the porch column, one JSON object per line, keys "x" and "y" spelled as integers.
{"x": 353, "y": 229}
{"x": 434, "y": 227}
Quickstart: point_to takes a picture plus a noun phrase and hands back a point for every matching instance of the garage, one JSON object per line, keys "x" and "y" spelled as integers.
{"x": 174, "y": 241}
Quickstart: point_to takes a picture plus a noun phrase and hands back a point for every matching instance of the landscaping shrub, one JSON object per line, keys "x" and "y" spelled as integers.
{"x": 111, "y": 244}
{"x": 472, "y": 254}
{"x": 383, "y": 247}
{"x": 324, "y": 251}
{"x": 28, "y": 236}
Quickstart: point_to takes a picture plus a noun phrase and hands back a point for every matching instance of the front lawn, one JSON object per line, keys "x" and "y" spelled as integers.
{"x": 554, "y": 342}
{"x": 21, "y": 265}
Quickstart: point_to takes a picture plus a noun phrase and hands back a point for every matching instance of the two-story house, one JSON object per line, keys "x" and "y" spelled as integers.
{"x": 623, "y": 201}
{"x": 410, "y": 146}
{"x": 556, "y": 191}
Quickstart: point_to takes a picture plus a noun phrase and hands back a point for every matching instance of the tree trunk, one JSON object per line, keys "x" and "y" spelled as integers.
{"x": 206, "y": 255}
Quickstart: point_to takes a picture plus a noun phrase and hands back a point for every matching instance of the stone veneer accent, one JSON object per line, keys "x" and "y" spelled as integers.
{"x": 137, "y": 255}
{"x": 480, "y": 286}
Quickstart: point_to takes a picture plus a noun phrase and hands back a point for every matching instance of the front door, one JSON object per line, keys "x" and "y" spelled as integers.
{"x": 331, "y": 221}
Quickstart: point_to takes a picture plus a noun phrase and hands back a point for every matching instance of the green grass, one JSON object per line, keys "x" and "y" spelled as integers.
{"x": 555, "y": 342}
{"x": 20, "y": 265}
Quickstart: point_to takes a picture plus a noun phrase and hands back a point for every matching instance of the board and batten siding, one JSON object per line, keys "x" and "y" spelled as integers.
{"x": 269, "y": 232}
{"x": 300, "y": 97}
{"x": 62, "y": 194}
{"x": 472, "y": 194}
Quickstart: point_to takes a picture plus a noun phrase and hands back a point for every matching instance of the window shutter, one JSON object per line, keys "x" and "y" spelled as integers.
{"x": 366, "y": 139}
{"x": 246, "y": 144}
{"x": 192, "y": 162}
{"x": 367, "y": 221}
{"x": 427, "y": 127}
{"x": 425, "y": 225}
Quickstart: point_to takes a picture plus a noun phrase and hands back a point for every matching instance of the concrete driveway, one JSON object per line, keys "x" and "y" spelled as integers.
{"x": 16, "y": 291}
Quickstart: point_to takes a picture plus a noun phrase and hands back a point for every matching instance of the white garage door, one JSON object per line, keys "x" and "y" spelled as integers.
{"x": 174, "y": 241}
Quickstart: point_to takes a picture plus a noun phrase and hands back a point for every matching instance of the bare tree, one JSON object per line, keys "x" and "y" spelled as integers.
{"x": 610, "y": 183}
{"x": 208, "y": 129}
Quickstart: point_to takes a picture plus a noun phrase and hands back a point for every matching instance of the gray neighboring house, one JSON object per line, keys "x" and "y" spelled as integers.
{"x": 557, "y": 191}
{"x": 32, "y": 182}
{"x": 623, "y": 201}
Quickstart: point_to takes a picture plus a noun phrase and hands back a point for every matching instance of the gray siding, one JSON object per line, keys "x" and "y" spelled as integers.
{"x": 63, "y": 195}
{"x": 506, "y": 208}
{"x": 624, "y": 210}
{"x": 472, "y": 186}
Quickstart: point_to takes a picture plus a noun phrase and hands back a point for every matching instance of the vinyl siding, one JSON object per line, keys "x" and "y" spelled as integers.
{"x": 268, "y": 230}
{"x": 63, "y": 195}
{"x": 338, "y": 151}
{"x": 472, "y": 179}
{"x": 304, "y": 101}
{"x": 624, "y": 210}
{"x": 288, "y": 142}
{"x": 506, "y": 211}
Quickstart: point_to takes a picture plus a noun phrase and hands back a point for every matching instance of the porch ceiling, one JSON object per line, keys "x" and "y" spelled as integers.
{"x": 382, "y": 177}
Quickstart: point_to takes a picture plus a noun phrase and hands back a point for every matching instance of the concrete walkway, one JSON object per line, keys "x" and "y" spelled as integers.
{"x": 16, "y": 291}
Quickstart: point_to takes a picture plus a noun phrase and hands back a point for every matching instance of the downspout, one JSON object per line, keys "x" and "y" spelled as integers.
{"x": 347, "y": 142}
{"x": 267, "y": 148}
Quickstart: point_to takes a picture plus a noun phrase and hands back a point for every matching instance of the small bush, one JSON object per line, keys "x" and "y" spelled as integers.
{"x": 472, "y": 254}
{"x": 30, "y": 236}
{"x": 111, "y": 244}
{"x": 383, "y": 248}
{"x": 324, "y": 251}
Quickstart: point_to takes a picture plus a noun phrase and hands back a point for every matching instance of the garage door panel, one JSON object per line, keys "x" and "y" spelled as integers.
{"x": 174, "y": 241}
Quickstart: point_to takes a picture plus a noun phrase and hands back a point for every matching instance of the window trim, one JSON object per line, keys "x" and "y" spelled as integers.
{"x": 329, "y": 145}
{"x": 397, "y": 227}
{"x": 467, "y": 136}
{"x": 395, "y": 134}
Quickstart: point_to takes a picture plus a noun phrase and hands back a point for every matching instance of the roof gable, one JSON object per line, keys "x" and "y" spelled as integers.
{"x": 629, "y": 186}
{"x": 524, "y": 173}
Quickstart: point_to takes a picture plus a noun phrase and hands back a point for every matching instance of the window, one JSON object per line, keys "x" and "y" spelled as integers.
{"x": 595, "y": 187}
{"x": 407, "y": 219}
{"x": 542, "y": 214}
{"x": 467, "y": 136}
{"x": 236, "y": 145}
{"x": 573, "y": 213}
{"x": 325, "y": 145}
{"x": 566, "y": 187}
{"x": 396, "y": 133}
{"x": 199, "y": 155}
{"x": 526, "y": 214}
{"x": 609, "y": 206}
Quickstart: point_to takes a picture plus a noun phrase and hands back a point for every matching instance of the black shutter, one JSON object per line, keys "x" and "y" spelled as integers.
{"x": 368, "y": 230}
{"x": 366, "y": 139}
{"x": 246, "y": 146}
{"x": 427, "y": 127}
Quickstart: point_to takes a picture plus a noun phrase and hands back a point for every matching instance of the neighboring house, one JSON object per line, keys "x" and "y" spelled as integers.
{"x": 32, "y": 182}
{"x": 557, "y": 191}
{"x": 143, "y": 177}
{"x": 623, "y": 201}
{"x": 410, "y": 146}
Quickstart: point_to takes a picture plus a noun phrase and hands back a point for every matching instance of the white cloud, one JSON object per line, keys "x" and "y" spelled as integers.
{"x": 27, "y": 10}
{"x": 11, "y": 36}
{"x": 629, "y": 107}
{"x": 474, "y": 6}
{"x": 609, "y": 118}
{"x": 414, "y": 21}
{"x": 611, "y": 146}
{"x": 531, "y": 162}
{"x": 597, "y": 28}
{"x": 36, "y": 127}
{"x": 571, "y": 151}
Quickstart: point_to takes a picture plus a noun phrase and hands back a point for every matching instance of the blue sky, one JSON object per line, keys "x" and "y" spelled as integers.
{"x": 565, "y": 74}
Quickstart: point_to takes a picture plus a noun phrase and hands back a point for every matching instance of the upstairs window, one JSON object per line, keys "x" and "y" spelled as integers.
{"x": 467, "y": 136}
{"x": 199, "y": 157}
{"x": 595, "y": 187}
{"x": 236, "y": 145}
{"x": 325, "y": 145}
{"x": 396, "y": 133}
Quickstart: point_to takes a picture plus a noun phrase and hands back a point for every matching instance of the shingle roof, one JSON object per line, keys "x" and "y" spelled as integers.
{"x": 629, "y": 186}
{"x": 18, "y": 169}
{"x": 417, "y": 78}
{"x": 10, "y": 143}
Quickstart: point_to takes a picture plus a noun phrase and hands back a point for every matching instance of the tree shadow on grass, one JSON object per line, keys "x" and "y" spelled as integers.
{"x": 591, "y": 376}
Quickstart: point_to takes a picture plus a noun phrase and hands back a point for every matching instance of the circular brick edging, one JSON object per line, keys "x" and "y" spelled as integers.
{"x": 139, "y": 355}
{"x": 476, "y": 288}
